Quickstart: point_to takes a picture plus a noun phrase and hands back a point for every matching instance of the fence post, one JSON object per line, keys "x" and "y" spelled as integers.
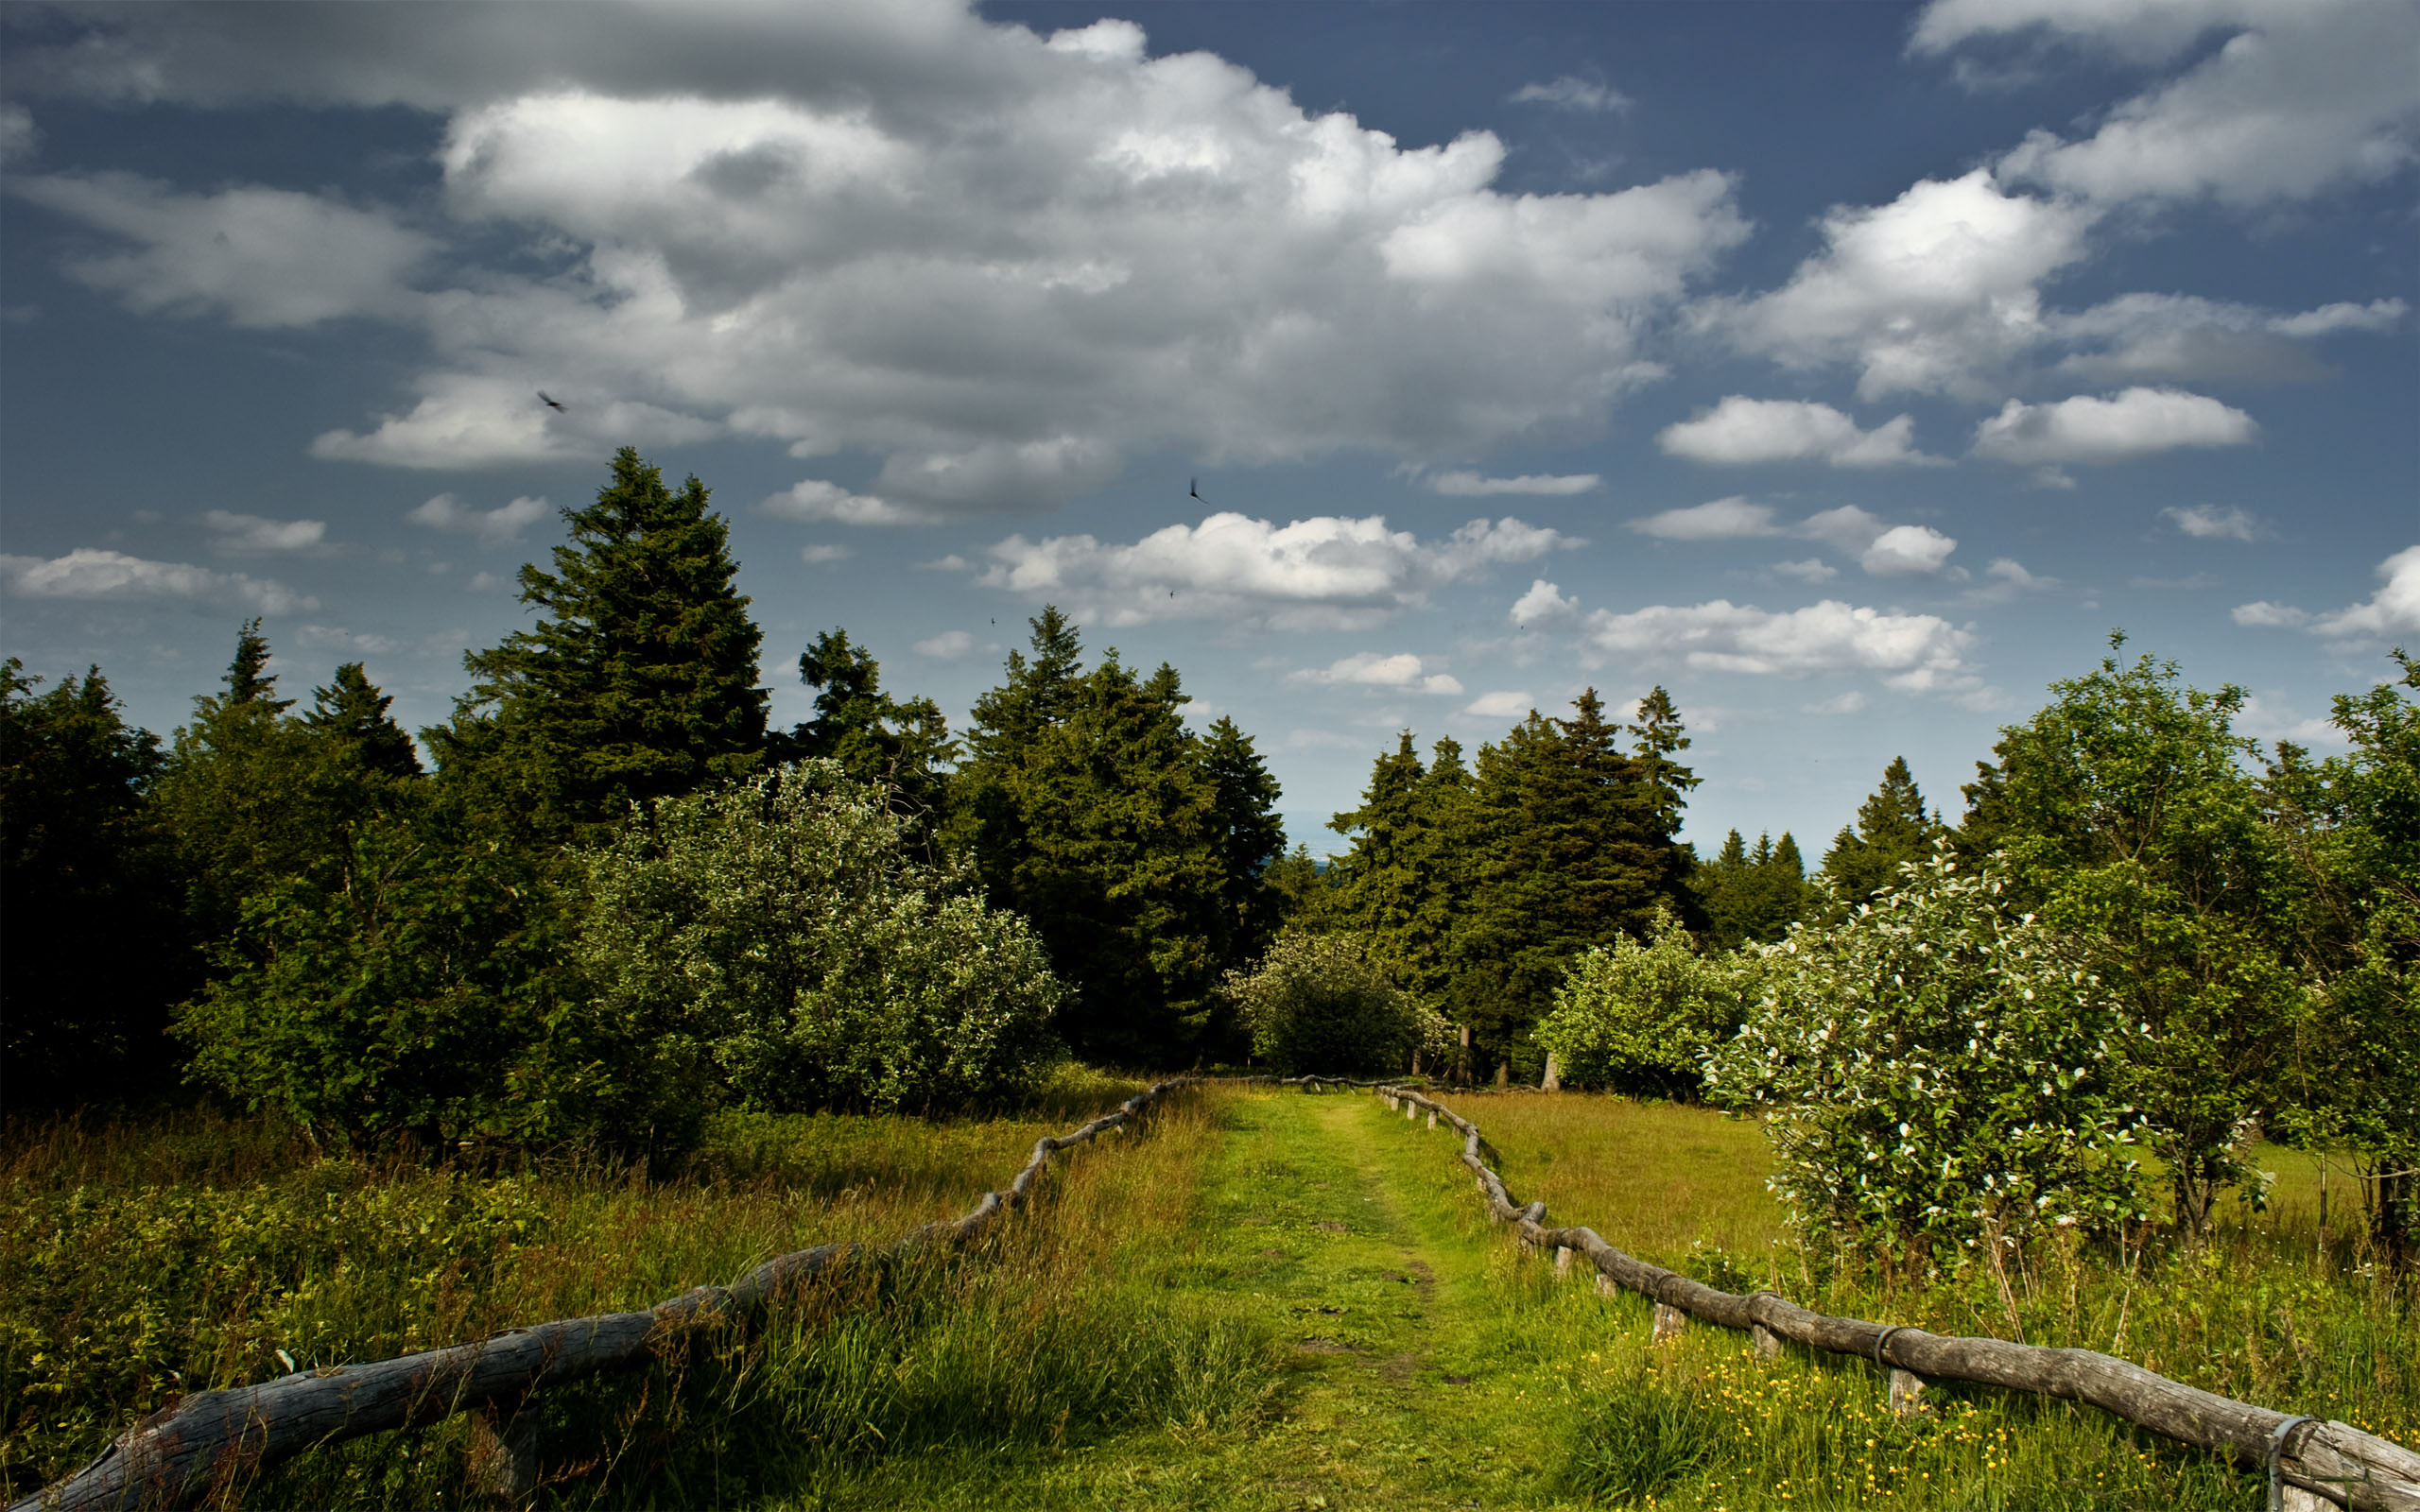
{"x": 1553, "y": 1080}
{"x": 1906, "y": 1388}
{"x": 1670, "y": 1321}
{"x": 1562, "y": 1261}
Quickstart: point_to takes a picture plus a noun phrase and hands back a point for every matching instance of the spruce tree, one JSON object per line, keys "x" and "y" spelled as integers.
{"x": 247, "y": 683}
{"x": 351, "y": 711}
{"x": 904, "y": 748}
{"x": 1249, "y": 837}
{"x": 640, "y": 683}
{"x": 1892, "y": 828}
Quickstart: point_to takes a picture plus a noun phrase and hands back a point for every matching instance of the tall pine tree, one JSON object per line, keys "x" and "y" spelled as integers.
{"x": 1892, "y": 828}
{"x": 641, "y": 682}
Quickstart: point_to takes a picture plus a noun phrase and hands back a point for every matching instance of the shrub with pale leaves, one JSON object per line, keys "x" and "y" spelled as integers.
{"x": 1644, "y": 1016}
{"x": 776, "y": 935}
{"x": 1934, "y": 1069}
{"x": 1318, "y": 1003}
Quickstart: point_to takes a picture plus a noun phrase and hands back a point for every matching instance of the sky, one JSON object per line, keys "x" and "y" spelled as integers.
{"x": 1852, "y": 371}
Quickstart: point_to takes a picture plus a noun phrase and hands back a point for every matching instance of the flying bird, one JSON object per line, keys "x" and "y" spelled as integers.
{"x": 551, "y": 401}
{"x": 1195, "y": 488}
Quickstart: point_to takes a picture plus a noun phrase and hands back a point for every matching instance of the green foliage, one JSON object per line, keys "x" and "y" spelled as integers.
{"x": 772, "y": 941}
{"x": 1320, "y": 1004}
{"x": 904, "y": 749}
{"x": 1938, "y": 1069}
{"x": 641, "y": 683}
{"x": 2352, "y": 824}
{"x": 92, "y": 942}
{"x": 1752, "y": 896}
{"x": 1135, "y": 846}
{"x": 1892, "y": 830}
{"x": 1644, "y": 1018}
{"x": 351, "y": 710}
{"x": 1403, "y": 882}
{"x": 2133, "y": 824}
{"x": 413, "y": 992}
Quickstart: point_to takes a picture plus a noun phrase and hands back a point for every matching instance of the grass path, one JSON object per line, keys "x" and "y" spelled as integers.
{"x": 1358, "y": 1247}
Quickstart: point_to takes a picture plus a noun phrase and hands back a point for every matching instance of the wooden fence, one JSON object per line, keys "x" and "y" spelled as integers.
{"x": 2310, "y": 1464}
{"x": 212, "y": 1439}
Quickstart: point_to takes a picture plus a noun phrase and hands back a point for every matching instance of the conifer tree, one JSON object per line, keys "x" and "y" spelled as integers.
{"x": 352, "y": 712}
{"x": 1892, "y": 828}
{"x": 904, "y": 748}
{"x": 1249, "y": 836}
{"x": 641, "y": 683}
{"x": 1401, "y": 884}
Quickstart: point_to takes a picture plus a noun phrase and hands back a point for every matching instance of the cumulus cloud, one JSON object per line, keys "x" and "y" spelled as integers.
{"x": 1812, "y": 570}
{"x": 950, "y": 646}
{"x": 1573, "y": 94}
{"x": 89, "y": 573}
{"x": 813, "y": 499}
{"x": 494, "y": 526}
{"x": 2125, "y": 427}
{"x": 257, "y": 257}
{"x": 1937, "y": 292}
{"x": 1912, "y": 653}
{"x": 1730, "y": 518}
{"x": 2393, "y": 610}
{"x": 1402, "y": 671}
{"x": 1741, "y": 430}
{"x": 2007, "y": 579}
{"x": 1543, "y": 607}
{"x": 2305, "y": 96}
{"x": 1510, "y": 703}
{"x": 1327, "y": 572}
{"x": 253, "y": 535}
{"x": 818, "y": 556}
{"x": 1550, "y": 484}
{"x": 1883, "y": 550}
{"x": 773, "y": 222}
{"x": 2150, "y": 337}
{"x": 2207, "y": 522}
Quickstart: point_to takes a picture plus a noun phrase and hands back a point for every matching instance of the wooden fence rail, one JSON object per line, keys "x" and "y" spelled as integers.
{"x": 212, "y": 1440}
{"x": 2307, "y": 1459}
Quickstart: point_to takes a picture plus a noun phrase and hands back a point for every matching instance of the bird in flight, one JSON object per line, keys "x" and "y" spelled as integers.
{"x": 1195, "y": 488}
{"x": 551, "y": 401}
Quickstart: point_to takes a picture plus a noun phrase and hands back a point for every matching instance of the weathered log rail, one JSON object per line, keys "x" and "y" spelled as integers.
{"x": 2305, "y": 1457}
{"x": 212, "y": 1440}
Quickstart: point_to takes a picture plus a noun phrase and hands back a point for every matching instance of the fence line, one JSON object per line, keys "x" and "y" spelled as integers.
{"x": 2307, "y": 1459}
{"x": 207, "y": 1440}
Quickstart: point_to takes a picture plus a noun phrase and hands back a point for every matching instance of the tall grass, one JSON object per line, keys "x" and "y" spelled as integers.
{"x": 2270, "y": 1308}
{"x": 145, "y": 1261}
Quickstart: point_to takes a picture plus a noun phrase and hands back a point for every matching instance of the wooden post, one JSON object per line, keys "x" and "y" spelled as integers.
{"x": 1553, "y": 1080}
{"x": 504, "y": 1452}
{"x": 1906, "y": 1388}
{"x": 1432, "y": 1120}
{"x": 1768, "y": 1341}
{"x": 1605, "y": 1285}
{"x": 1562, "y": 1254}
{"x": 1411, "y": 1112}
{"x": 1463, "y": 1062}
{"x": 1504, "y": 1074}
{"x": 1670, "y": 1321}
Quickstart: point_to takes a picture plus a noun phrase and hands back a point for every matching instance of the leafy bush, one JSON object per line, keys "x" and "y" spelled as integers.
{"x": 1935, "y": 1068}
{"x": 1317, "y": 1003}
{"x": 1643, "y": 1018}
{"x": 776, "y": 937}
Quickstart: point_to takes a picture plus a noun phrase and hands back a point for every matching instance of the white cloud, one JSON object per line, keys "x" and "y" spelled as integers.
{"x": 1731, "y": 519}
{"x": 1543, "y": 607}
{"x": 2305, "y": 96}
{"x": 1370, "y": 669}
{"x": 250, "y": 534}
{"x": 2393, "y": 609}
{"x": 1913, "y": 653}
{"x": 2134, "y": 424}
{"x": 1473, "y": 485}
{"x": 1852, "y": 702}
{"x": 495, "y": 526}
{"x": 950, "y": 646}
{"x": 1327, "y": 572}
{"x": 1572, "y": 93}
{"x": 1812, "y": 570}
{"x": 18, "y": 137}
{"x": 2262, "y": 614}
{"x": 1908, "y": 551}
{"x": 89, "y": 573}
{"x": 818, "y": 556}
{"x": 1740, "y": 431}
{"x": 1936, "y": 292}
{"x": 815, "y": 500}
{"x": 774, "y": 221}
{"x": 2009, "y": 580}
{"x": 258, "y": 257}
{"x": 2207, "y": 522}
{"x": 2140, "y": 338}
{"x": 1511, "y": 703}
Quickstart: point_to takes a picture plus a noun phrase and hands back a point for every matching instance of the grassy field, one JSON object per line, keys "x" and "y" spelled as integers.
{"x": 1257, "y": 1301}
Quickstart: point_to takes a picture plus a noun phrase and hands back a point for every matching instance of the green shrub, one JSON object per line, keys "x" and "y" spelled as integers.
{"x": 776, "y": 938}
{"x": 1643, "y": 1018}
{"x": 1936, "y": 1068}
{"x": 1317, "y": 1003}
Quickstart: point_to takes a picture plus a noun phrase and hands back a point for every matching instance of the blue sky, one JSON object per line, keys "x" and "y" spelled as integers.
{"x": 1849, "y": 369}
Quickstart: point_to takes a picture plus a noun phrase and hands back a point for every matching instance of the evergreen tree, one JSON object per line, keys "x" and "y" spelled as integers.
{"x": 904, "y": 749}
{"x": 1401, "y": 884}
{"x": 1249, "y": 839}
{"x": 352, "y": 710}
{"x": 92, "y": 944}
{"x": 642, "y": 681}
{"x": 247, "y": 680}
{"x": 1892, "y": 829}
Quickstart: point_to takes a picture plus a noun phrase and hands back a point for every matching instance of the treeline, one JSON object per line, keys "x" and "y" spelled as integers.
{"x": 620, "y": 896}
